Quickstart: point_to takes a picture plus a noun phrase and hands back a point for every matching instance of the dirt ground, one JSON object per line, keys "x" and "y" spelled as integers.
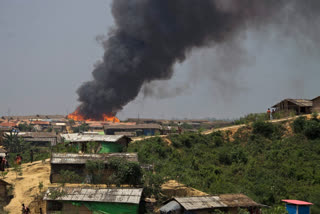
{"x": 26, "y": 186}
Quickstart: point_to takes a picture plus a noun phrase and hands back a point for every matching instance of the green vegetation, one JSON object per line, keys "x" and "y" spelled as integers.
{"x": 67, "y": 176}
{"x": 16, "y": 145}
{"x": 95, "y": 171}
{"x": 263, "y": 161}
{"x": 125, "y": 172}
{"x": 82, "y": 128}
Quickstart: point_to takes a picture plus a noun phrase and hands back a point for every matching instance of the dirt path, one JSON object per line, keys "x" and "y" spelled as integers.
{"x": 26, "y": 186}
{"x": 233, "y": 129}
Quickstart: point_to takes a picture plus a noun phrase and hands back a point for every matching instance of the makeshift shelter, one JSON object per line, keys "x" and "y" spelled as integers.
{"x": 316, "y": 105}
{"x": 107, "y": 143}
{"x": 87, "y": 200}
{"x": 40, "y": 139}
{"x": 299, "y": 106}
{"x": 228, "y": 203}
{"x": 77, "y": 163}
{"x": 139, "y": 129}
{"x": 297, "y": 207}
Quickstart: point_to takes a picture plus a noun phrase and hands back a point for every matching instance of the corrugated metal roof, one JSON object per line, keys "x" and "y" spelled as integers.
{"x": 202, "y": 202}
{"x": 127, "y": 196}
{"x": 91, "y": 138}
{"x": 138, "y": 126}
{"x": 72, "y": 158}
{"x": 210, "y": 202}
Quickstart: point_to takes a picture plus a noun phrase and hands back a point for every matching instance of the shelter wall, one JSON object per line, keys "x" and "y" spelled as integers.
{"x": 52, "y": 208}
{"x": 316, "y": 105}
{"x": 3, "y": 192}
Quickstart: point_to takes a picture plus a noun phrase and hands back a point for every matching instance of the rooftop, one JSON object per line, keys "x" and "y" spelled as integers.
{"x": 202, "y": 202}
{"x": 218, "y": 201}
{"x": 37, "y": 134}
{"x": 137, "y": 126}
{"x": 299, "y": 102}
{"x": 127, "y": 196}
{"x": 69, "y": 158}
{"x": 297, "y": 202}
{"x": 92, "y": 138}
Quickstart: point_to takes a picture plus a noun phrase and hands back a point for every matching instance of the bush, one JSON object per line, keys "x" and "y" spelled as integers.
{"x": 263, "y": 128}
{"x": 298, "y": 125}
{"x": 312, "y": 129}
{"x": 95, "y": 170}
{"x": 70, "y": 177}
{"x": 125, "y": 172}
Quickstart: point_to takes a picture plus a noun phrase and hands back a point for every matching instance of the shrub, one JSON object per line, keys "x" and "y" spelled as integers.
{"x": 312, "y": 129}
{"x": 95, "y": 170}
{"x": 125, "y": 172}
{"x": 298, "y": 125}
{"x": 70, "y": 177}
{"x": 263, "y": 128}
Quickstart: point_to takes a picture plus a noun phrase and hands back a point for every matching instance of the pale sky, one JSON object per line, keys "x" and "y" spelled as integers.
{"x": 48, "y": 48}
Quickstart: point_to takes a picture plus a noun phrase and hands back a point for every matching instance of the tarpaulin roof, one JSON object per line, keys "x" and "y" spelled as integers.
{"x": 297, "y": 202}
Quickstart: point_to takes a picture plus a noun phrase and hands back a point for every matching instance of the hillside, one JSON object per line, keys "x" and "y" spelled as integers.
{"x": 266, "y": 161}
{"x": 26, "y": 186}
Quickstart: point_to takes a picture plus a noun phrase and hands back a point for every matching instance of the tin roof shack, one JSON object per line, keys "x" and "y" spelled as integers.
{"x": 139, "y": 129}
{"x": 87, "y": 200}
{"x": 299, "y": 106}
{"x": 316, "y": 105}
{"x": 105, "y": 143}
{"x": 77, "y": 163}
{"x": 4, "y": 194}
{"x": 228, "y": 203}
{"x": 297, "y": 207}
{"x": 40, "y": 139}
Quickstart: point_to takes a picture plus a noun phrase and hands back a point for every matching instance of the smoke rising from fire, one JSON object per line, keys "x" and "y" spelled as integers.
{"x": 150, "y": 36}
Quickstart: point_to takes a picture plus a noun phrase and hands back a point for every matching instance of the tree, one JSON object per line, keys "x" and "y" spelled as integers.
{"x": 95, "y": 169}
{"x": 13, "y": 142}
{"x": 125, "y": 172}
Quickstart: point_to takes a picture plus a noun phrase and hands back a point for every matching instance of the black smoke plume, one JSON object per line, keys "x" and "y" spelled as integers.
{"x": 150, "y": 36}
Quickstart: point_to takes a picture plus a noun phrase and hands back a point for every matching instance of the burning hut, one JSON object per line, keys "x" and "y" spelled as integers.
{"x": 106, "y": 143}
{"x": 89, "y": 200}
{"x": 77, "y": 163}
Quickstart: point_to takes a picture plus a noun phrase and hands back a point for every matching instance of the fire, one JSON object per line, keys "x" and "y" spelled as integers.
{"x": 76, "y": 116}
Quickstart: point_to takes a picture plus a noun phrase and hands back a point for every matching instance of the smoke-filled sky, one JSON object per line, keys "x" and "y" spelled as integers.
{"x": 49, "y": 48}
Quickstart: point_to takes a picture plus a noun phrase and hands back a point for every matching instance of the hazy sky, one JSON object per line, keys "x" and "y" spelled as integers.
{"x": 48, "y": 48}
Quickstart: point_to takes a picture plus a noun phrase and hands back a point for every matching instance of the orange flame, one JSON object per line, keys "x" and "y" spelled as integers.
{"x": 76, "y": 116}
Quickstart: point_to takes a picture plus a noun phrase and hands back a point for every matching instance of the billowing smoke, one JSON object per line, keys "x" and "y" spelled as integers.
{"x": 150, "y": 36}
